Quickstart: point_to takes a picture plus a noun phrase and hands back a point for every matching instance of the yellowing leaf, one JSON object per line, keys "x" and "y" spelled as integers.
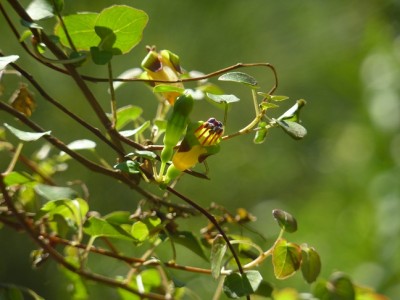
{"x": 22, "y": 100}
{"x": 286, "y": 258}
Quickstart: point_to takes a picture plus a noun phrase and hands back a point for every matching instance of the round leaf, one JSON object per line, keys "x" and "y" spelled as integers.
{"x": 310, "y": 263}
{"x": 285, "y": 220}
{"x": 286, "y": 258}
{"x": 123, "y": 25}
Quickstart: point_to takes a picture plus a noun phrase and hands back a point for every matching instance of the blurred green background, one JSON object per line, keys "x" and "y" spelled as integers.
{"x": 342, "y": 182}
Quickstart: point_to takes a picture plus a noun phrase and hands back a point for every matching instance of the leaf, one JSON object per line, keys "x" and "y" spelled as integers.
{"x": 292, "y": 114}
{"x": 81, "y": 30}
{"x": 15, "y": 292}
{"x": 23, "y": 101}
{"x": 97, "y": 227}
{"x": 55, "y": 192}
{"x": 118, "y": 217}
{"x": 310, "y": 263}
{"x": 266, "y": 105}
{"x": 138, "y": 130}
{"x": 143, "y": 153}
{"x": 82, "y": 145}
{"x": 237, "y": 285}
{"x": 72, "y": 211}
{"x": 265, "y": 289}
{"x": 5, "y": 60}
{"x": 99, "y": 56}
{"x": 25, "y": 135}
{"x": 341, "y": 287}
{"x": 127, "y": 114}
{"x": 139, "y": 231}
{"x": 188, "y": 240}
{"x": 128, "y": 74}
{"x": 295, "y": 130}
{"x": 16, "y": 178}
{"x": 286, "y": 258}
{"x": 42, "y": 9}
{"x": 167, "y": 88}
{"x": 223, "y": 98}
{"x": 285, "y": 220}
{"x": 123, "y": 23}
{"x": 218, "y": 250}
{"x": 239, "y": 77}
{"x": 129, "y": 166}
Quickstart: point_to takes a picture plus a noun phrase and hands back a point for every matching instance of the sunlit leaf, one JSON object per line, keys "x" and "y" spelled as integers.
{"x": 292, "y": 114}
{"x": 118, "y": 217}
{"x": 5, "y": 60}
{"x": 223, "y": 98}
{"x": 42, "y": 9}
{"x": 267, "y": 105}
{"x": 286, "y": 258}
{"x": 81, "y": 145}
{"x": 81, "y": 30}
{"x": 16, "y": 178}
{"x": 218, "y": 250}
{"x": 55, "y": 192}
{"x": 363, "y": 293}
{"x": 285, "y": 220}
{"x": 310, "y": 263}
{"x": 139, "y": 231}
{"x": 25, "y": 135}
{"x": 138, "y": 130}
{"x": 97, "y": 227}
{"x": 23, "y": 101}
{"x": 238, "y": 285}
{"x": 165, "y": 88}
{"x": 127, "y": 114}
{"x": 128, "y": 74}
{"x": 239, "y": 77}
{"x": 123, "y": 23}
{"x": 143, "y": 153}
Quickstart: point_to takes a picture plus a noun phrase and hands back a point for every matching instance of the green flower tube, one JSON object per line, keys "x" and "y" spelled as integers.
{"x": 176, "y": 127}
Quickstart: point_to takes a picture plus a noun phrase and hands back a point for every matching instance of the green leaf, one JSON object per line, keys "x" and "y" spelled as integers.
{"x": 292, "y": 114}
{"x": 218, "y": 250}
{"x": 123, "y": 23}
{"x": 5, "y": 60}
{"x": 265, "y": 289}
{"x": 72, "y": 211}
{"x": 129, "y": 166}
{"x": 143, "y": 153}
{"x": 310, "y": 263}
{"x": 139, "y": 231}
{"x": 285, "y": 220}
{"x": 188, "y": 240}
{"x": 239, "y": 77}
{"x": 267, "y": 105}
{"x": 341, "y": 287}
{"x": 223, "y": 98}
{"x": 273, "y": 97}
{"x": 286, "y": 258}
{"x": 293, "y": 129}
{"x": 81, "y": 30}
{"x": 25, "y": 135}
{"x": 55, "y": 192}
{"x": 16, "y": 178}
{"x": 127, "y": 114}
{"x": 99, "y": 56}
{"x": 138, "y": 130}
{"x": 97, "y": 227}
{"x": 166, "y": 88}
{"x": 237, "y": 285}
{"x": 118, "y": 217}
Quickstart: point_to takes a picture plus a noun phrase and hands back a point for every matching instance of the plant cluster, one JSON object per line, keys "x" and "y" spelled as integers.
{"x": 160, "y": 152}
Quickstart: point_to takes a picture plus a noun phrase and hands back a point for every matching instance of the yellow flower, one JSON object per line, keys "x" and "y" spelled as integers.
{"x": 163, "y": 66}
{"x": 201, "y": 140}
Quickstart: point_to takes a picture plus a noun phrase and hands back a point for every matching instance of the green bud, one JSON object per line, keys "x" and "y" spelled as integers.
{"x": 261, "y": 133}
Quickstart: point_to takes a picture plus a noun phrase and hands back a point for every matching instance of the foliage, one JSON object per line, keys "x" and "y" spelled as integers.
{"x": 58, "y": 217}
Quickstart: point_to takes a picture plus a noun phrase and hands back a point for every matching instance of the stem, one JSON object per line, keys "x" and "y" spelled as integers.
{"x": 212, "y": 220}
{"x": 14, "y": 160}
{"x": 113, "y": 99}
